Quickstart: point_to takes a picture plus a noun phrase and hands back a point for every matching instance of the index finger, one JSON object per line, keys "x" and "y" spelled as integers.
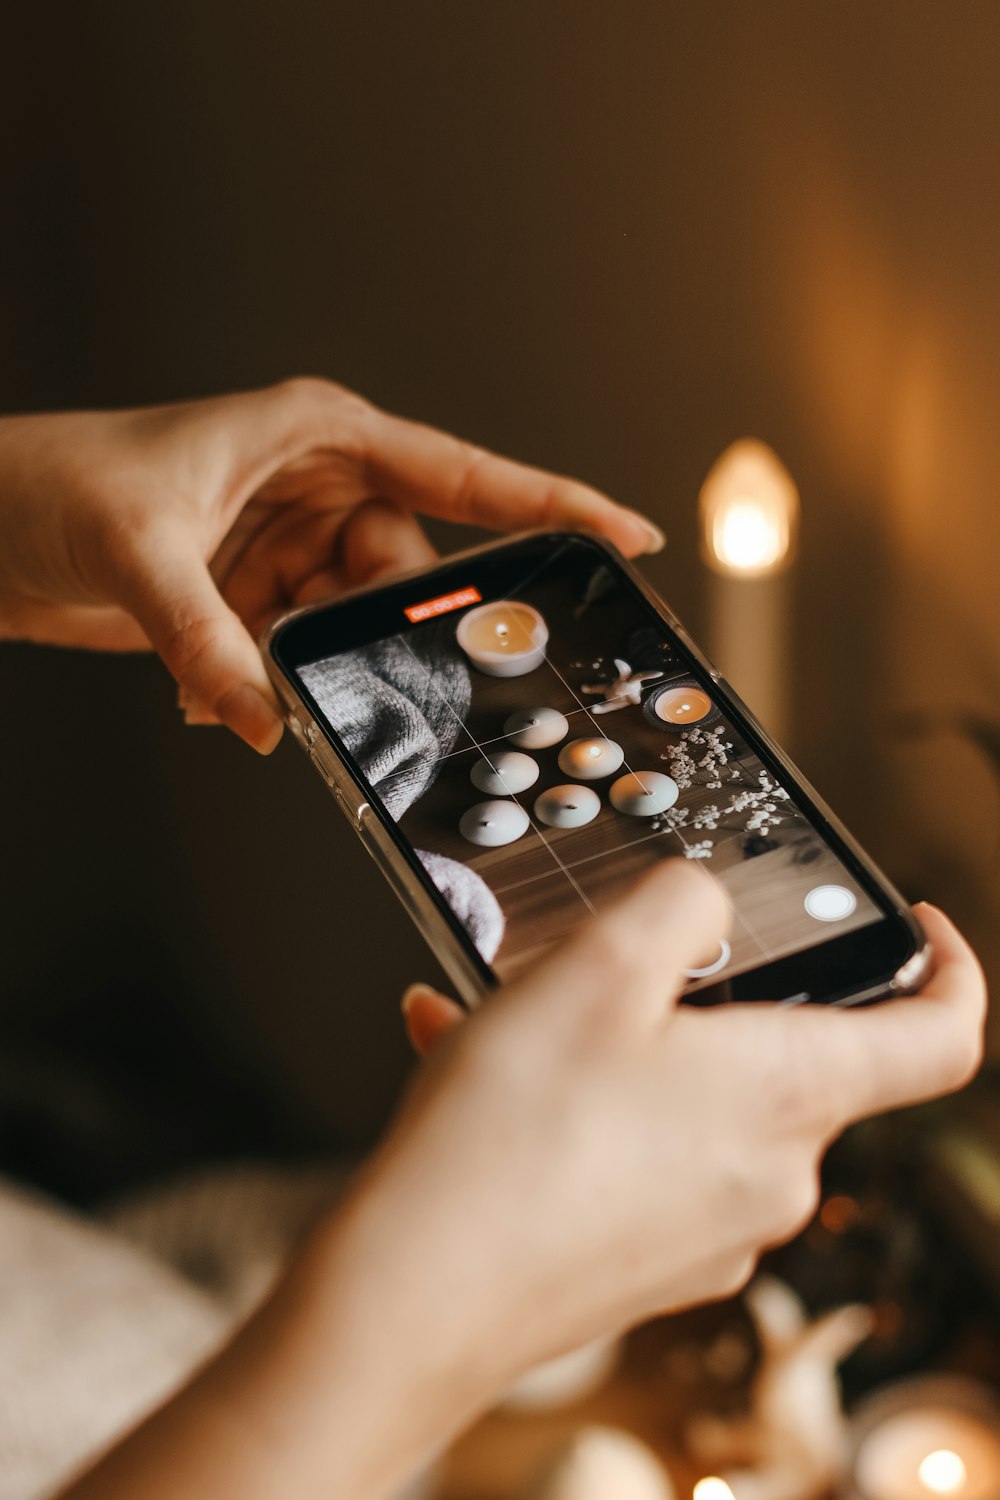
{"x": 440, "y": 475}
{"x": 906, "y": 1051}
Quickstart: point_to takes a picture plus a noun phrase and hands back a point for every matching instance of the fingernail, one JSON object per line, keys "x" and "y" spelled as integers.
{"x": 654, "y": 539}
{"x": 199, "y": 716}
{"x": 246, "y": 711}
{"x": 412, "y": 994}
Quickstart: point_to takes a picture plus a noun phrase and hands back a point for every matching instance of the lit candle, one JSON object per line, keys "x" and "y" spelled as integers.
{"x": 926, "y": 1439}
{"x": 493, "y": 823}
{"x": 643, "y": 794}
{"x": 679, "y": 706}
{"x": 536, "y": 728}
{"x": 505, "y": 639}
{"x": 749, "y": 509}
{"x": 567, "y": 806}
{"x": 504, "y": 773}
{"x": 591, "y": 759}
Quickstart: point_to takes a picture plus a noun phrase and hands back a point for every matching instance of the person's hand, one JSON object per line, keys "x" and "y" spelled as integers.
{"x": 582, "y": 1152}
{"x": 186, "y": 527}
{"x": 577, "y": 1155}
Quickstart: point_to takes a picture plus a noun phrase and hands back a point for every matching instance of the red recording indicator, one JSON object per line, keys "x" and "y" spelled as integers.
{"x": 442, "y": 606}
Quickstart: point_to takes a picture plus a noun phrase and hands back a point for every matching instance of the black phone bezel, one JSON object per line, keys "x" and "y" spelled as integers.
{"x": 840, "y": 969}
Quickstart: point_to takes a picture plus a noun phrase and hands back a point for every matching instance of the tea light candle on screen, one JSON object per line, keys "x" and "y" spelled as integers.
{"x": 567, "y": 806}
{"x": 536, "y": 728}
{"x": 504, "y": 773}
{"x": 678, "y": 706}
{"x": 590, "y": 759}
{"x": 493, "y": 823}
{"x": 643, "y": 794}
{"x": 505, "y": 639}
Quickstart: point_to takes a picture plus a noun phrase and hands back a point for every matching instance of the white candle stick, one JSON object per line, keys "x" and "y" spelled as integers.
{"x": 749, "y": 510}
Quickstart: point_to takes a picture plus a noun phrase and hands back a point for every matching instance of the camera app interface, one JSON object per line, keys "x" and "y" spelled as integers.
{"x": 539, "y": 751}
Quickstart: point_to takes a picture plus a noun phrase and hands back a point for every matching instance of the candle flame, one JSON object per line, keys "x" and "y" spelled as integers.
{"x": 943, "y": 1473}
{"x": 503, "y": 631}
{"x": 747, "y": 539}
{"x": 749, "y": 511}
{"x": 713, "y": 1489}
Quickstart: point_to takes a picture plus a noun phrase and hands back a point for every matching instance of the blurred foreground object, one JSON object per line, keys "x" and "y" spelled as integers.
{"x": 602, "y": 1463}
{"x": 793, "y": 1443}
{"x": 938, "y": 1435}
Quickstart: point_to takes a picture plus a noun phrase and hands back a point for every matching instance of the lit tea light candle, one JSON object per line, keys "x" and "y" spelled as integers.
{"x": 926, "y": 1439}
{"x": 679, "y": 706}
{"x": 504, "y": 773}
{"x": 493, "y": 823}
{"x": 505, "y": 639}
{"x": 591, "y": 759}
{"x": 567, "y": 806}
{"x": 536, "y": 728}
{"x": 713, "y": 1489}
{"x": 643, "y": 794}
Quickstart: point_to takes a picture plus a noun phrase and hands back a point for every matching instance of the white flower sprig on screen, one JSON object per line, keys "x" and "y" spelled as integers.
{"x": 700, "y": 758}
{"x": 702, "y": 850}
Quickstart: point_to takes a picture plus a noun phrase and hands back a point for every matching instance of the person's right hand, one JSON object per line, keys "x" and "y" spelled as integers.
{"x": 583, "y": 1153}
{"x": 579, "y": 1154}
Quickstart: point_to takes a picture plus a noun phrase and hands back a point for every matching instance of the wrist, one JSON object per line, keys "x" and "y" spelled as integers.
{"x": 362, "y": 1365}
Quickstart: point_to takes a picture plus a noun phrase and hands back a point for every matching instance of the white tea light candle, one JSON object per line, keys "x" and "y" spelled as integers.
{"x": 493, "y": 823}
{"x": 505, "y": 639}
{"x": 928, "y": 1438}
{"x": 536, "y": 728}
{"x": 681, "y": 706}
{"x": 590, "y": 759}
{"x": 504, "y": 773}
{"x": 643, "y": 794}
{"x": 567, "y": 806}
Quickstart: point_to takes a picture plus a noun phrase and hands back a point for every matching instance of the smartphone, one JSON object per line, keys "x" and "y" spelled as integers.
{"x": 518, "y": 733}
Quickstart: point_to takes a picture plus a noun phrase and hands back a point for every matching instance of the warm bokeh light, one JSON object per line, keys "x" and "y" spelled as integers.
{"x": 839, "y": 1214}
{"x": 943, "y": 1473}
{"x": 749, "y": 509}
{"x": 713, "y": 1489}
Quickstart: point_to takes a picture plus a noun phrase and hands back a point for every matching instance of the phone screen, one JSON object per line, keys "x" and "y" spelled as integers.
{"x": 539, "y": 736}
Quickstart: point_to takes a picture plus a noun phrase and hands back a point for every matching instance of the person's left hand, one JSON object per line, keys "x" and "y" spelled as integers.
{"x": 186, "y": 527}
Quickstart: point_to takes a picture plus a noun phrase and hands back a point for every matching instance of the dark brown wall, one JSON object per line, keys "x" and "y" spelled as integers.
{"x": 608, "y": 238}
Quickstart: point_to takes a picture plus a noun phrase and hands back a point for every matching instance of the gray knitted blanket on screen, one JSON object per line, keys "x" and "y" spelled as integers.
{"x": 399, "y": 709}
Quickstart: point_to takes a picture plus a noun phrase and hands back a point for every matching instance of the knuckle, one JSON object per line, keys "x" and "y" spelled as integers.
{"x": 191, "y": 643}
{"x": 796, "y": 1202}
{"x": 736, "y": 1274}
{"x": 316, "y": 391}
{"x": 317, "y": 411}
{"x": 962, "y": 1058}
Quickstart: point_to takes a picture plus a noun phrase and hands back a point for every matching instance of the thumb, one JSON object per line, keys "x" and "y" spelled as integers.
{"x": 428, "y": 1016}
{"x": 168, "y": 588}
{"x": 633, "y": 957}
